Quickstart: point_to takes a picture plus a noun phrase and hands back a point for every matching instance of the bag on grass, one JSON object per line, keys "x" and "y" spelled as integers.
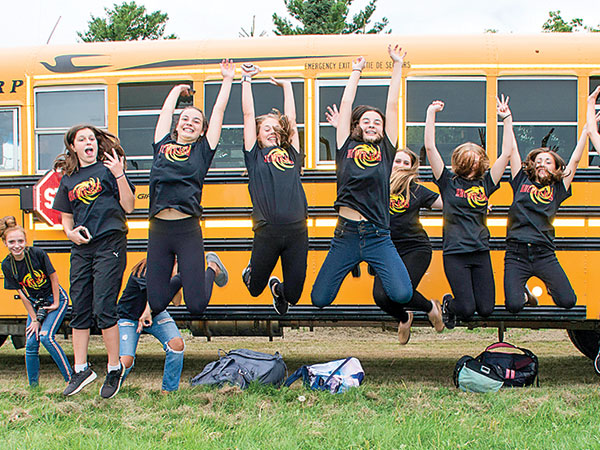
{"x": 494, "y": 369}
{"x": 333, "y": 376}
{"x": 241, "y": 367}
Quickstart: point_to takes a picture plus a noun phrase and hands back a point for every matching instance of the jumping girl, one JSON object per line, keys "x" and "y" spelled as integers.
{"x": 366, "y": 148}
{"x": 181, "y": 161}
{"x": 274, "y": 163}
{"x": 29, "y": 271}
{"x": 407, "y": 197}
{"x": 539, "y": 186}
{"x": 465, "y": 192}
{"x": 135, "y": 317}
{"x": 93, "y": 196}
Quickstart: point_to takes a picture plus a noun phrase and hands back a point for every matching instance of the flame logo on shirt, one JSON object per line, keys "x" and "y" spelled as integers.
{"x": 34, "y": 280}
{"x": 544, "y": 195}
{"x": 365, "y": 155}
{"x": 87, "y": 191}
{"x": 476, "y": 196}
{"x": 279, "y": 158}
{"x": 175, "y": 152}
{"x": 398, "y": 204}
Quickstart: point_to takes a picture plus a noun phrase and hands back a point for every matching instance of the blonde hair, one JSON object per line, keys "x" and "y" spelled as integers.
{"x": 8, "y": 224}
{"x": 68, "y": 162}
{"x": 463, "y": 160}
{"x": 401, "y": 179}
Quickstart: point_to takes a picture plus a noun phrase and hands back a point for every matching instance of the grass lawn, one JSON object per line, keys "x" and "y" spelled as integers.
{"x": 407, "y": 401}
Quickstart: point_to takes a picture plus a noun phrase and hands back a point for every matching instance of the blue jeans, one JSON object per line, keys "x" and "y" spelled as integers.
{"x": 352, "y": 243}
{"x": 46, "y": 336}
{"x": 164, "y": 329}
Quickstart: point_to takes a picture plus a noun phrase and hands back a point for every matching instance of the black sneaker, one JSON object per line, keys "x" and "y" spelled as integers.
{"x": 448, "y": 316}
{"x": 246, "y": 275}
{"x": 112, "y": 383}
{"x": 597, "y": 363}
{"x": 279, "y": 303}
{"x": 79, "y": 380}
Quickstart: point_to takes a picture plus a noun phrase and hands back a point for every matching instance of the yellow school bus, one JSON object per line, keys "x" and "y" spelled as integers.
{"x": 121, "y": 86}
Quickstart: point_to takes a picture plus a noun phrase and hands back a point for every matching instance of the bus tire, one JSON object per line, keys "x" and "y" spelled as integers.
{"x": 586, "y": 341}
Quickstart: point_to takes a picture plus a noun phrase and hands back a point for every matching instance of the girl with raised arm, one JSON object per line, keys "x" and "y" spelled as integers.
{"x": 366, "y": 144}
{"x": 407, "y": 197}
{"x": 539, "y": 187}
{"x": 465, "y": 192}
{"x": 93, "y": 196}
{"x": 28, "y": 270}
{"x": 181, "y": 160}
{"x": 274, "y": 162}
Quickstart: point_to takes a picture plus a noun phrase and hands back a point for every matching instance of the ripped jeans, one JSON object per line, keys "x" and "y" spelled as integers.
{"x": 164, "y": 329}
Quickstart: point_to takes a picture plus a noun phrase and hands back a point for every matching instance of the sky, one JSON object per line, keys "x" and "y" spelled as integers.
{"x": 31, "y": 22}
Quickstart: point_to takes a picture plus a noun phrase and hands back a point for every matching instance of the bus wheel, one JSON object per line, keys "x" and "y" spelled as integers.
{"x": 3, "y": 339}
{"x": 586, "y": 341}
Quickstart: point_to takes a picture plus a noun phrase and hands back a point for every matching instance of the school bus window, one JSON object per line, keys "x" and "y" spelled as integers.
{"x": 462, "y": 120}
{"x": 594, "y": 153}
{"x": 544, "y": 112}
{"x": 266, "y": 96}
{"x": 57, "y": 110}
{"x": 139, "y": 107}
{"x": 370, "y": 92}
{"x": 10, "y": 148}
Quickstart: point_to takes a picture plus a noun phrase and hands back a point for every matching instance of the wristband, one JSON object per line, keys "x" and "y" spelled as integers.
{"x": 360, "y": 70}
{"x": 247, "y": 78}
{"x": 505, "y": 117}
{"x": 122, "y": 175}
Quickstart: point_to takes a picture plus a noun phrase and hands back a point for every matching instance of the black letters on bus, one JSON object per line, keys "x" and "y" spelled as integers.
{"x": 15, "y": 84}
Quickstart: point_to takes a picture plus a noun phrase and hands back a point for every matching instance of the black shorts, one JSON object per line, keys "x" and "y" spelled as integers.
{"x": 96, "y": 275}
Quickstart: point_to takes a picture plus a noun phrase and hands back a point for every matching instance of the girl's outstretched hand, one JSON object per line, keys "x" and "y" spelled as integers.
{"x": 227, "y": 69}
{"x": 359, "y": 63}
{"x": 396, "y": 53}
{"x": 436, "y": 106}
{"x": 502, "y": 107}
{"x": 332, "y": 115}
{"x": 114, "y": 163}
{"x": 250, "y": 69}
{"x": 280, "y": 83}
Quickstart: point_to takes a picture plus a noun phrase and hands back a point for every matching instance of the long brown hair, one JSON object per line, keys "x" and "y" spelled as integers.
{"x": 139, "y": 270}
{"x": 284, "y": 130}
{"x": 463, "y": 160}
{"x": 401, "y": 179}
{"x": 174, "y": 134}
{"x": 67, "y": 162}
{"x": 529, "y": 165}
{"x": 355, "y": 130}
{"x": 8, "y": 224}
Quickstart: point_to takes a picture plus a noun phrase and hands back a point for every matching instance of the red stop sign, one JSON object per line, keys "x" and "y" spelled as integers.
{"x": 43, "y": 197}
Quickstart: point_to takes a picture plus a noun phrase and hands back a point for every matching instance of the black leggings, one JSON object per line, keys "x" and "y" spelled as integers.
{"x": 472, "y": 282}
{"x": 167, "y": 238}
{"x": 523, "y": 261}
{"x": 416, "y": 261}
{"x": 290, "y": 242}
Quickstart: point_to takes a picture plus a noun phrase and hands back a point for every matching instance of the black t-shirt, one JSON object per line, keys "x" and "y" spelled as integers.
{"x": 34, "y": 280}
{"x": 133, "y": 299}
{"x": 275, "y": 187}
{"x": 177, "y": 175}
{"x": 405, "y": 227}
{"x": 465, "y": 212}
{"x": 363, "y": 178}
{"x": 533, "y": 208}
{"x": 91, "y": 194}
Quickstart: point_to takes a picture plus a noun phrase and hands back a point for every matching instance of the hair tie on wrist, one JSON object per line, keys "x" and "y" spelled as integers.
{"x": 506, "y": 117}
{"x": 360, "y": 70}
{"x": 122, "y": 175}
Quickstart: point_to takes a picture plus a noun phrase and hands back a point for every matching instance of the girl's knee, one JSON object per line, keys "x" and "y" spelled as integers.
{"x": 176, "y": 344}
{"x": 127, "y": 361}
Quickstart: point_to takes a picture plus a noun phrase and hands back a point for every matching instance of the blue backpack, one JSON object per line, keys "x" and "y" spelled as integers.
{"x": 333, "y": 376}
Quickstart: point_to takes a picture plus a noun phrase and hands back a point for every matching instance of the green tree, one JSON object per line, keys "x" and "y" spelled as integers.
{"x": 327, "y": 17}
{"x": 556, "y": 24}
{"x": 126, "y": 22}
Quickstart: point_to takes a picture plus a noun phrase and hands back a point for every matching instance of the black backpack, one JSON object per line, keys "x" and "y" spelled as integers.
{"x": 494, "y": 369}
{"x": 241, "y": 367}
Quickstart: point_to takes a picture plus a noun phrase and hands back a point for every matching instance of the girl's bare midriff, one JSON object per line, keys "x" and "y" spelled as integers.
{"x": 351, "y": 214}
{"x": 171, "y": 214}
